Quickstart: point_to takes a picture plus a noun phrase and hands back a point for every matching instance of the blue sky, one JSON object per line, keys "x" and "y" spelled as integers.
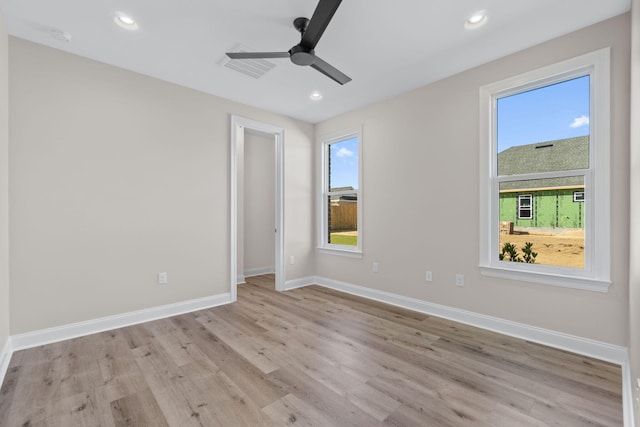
{"x": 545, "y": 114}
{"x": 344, "y": 163}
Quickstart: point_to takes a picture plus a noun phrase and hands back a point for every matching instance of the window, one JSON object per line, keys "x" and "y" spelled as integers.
{"x": 524, "y": 206}
{"x": 341, "y": 200}
{"x": 544, "y": 146}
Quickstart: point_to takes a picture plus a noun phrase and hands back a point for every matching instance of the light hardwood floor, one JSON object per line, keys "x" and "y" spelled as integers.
{"x": 307, "y": 357}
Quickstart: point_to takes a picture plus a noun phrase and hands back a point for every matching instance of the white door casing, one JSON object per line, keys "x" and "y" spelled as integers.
{"x": 238, "y": 126}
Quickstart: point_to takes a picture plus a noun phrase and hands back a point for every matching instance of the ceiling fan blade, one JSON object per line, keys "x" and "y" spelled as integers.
{"x": 257, "y": 55}
{"x": 319, "y": 21}
{"x": 330, "y": 71}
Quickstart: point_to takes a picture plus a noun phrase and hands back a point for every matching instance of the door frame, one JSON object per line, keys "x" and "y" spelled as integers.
{"x": 238, "y": 126}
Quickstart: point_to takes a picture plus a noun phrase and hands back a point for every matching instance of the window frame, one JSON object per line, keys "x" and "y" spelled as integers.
{"x": 324, "y": 193}
{"x": 529, "y": 208}
{"x": 595, "y": 275}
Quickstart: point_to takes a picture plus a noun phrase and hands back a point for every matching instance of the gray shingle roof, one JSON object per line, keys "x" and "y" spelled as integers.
{"x": 558, "y": 155}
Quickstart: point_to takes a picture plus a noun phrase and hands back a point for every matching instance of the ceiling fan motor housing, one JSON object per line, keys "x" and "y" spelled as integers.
{"x": 301, "y": 55}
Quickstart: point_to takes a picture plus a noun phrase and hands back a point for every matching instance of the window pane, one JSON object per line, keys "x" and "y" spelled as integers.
{"x": 545, "y": 129}
{"x": 343, "y": 165}
{"x": 343, "y": 219}
{"x": 525, "y": 213}
{"x": 578, "y": 196}
{"x": 524, "y": 201}
{"x": 543, "y": 212}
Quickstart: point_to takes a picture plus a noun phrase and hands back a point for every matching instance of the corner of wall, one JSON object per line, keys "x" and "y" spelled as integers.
{"x": 632, "y": 373}
{"x": 5, "y": 343}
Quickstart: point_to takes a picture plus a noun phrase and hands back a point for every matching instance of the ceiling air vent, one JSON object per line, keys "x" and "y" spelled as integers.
{"x": 255, "y": 68}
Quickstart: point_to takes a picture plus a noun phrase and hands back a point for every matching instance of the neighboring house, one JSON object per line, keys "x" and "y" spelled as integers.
{"x": 544, "y": 203}
{"x": 344, "y": 199}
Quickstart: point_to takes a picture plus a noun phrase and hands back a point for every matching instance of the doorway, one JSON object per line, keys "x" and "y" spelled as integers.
{"x": 240, "y": 128}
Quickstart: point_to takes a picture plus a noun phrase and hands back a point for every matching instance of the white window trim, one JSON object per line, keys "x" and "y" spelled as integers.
{"x": 596, "y": 276}
{"x": 323, "y": 247}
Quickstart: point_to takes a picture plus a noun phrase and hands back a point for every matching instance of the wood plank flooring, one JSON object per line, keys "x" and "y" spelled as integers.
{"x": 307, "y": 357}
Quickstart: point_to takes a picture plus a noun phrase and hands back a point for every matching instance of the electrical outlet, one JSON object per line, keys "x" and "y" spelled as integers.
{"x": 162, "y": 278}
{"x": 428, "y": 276}
{"x": 292, "y": 260}
{"x": 459, "y": 279}
{"x": 375, "y": 267}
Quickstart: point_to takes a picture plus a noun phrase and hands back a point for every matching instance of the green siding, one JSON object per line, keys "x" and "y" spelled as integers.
{"x": 551, "y": 209}
{"x": 571, "y": 214}
{"x": 544, "y": 212}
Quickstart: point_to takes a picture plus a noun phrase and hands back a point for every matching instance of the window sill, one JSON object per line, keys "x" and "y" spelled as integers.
{"x": 352, "y": 253}
{"x": 583, "y": 283}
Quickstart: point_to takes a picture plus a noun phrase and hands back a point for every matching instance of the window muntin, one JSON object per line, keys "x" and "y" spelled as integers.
{"x": 594, "y": 274}
{"x": 341, "y": 194}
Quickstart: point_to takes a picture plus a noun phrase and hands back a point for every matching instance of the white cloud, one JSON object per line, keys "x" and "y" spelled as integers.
{"x": 579, "y": 122}
{"x": 344, "y": 152}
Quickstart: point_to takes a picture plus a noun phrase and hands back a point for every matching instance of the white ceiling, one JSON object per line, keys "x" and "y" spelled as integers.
{"x": 387, "y": 47}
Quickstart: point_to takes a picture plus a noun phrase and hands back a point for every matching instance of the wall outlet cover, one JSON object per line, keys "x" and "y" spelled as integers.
{"x": 162, "y": 278}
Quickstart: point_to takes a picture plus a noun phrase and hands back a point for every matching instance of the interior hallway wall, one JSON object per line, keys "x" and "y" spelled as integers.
{"x": 259, "y": 202}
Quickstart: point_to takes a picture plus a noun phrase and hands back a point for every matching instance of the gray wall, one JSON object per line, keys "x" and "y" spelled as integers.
{"x": 114, "y": 177}
{"x": 420, "y": 152}
{"x": 634, "y": 264}
{"x": 4, "y": 185}
{"x": 259, "y": 202}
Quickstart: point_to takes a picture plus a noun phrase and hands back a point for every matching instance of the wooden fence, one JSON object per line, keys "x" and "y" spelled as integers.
{"x": 343, "y": 218}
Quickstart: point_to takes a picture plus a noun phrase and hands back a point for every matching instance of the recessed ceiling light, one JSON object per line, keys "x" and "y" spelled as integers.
{"x": 125, "y": 21}
{"x": 315, "y": 96}
{"x": 476, "y": 20}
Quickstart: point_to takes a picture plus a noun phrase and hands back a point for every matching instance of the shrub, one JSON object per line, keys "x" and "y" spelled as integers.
{"x": 510, "y": 253}
{"x": 527, "y": 253}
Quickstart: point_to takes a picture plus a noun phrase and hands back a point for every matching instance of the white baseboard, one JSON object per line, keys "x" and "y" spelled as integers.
{"x": 240, "y": 279}
{"x": 627, "y": 394}
{"x": 299, "y": 283}
{"x": 249, "y": 272}
{"x": 596, "y": 349}
{"x": 65, "y": 332}
{"x": 5, "y": 358}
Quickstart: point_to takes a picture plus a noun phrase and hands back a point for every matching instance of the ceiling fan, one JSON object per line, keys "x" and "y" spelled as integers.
{"x": 303, "y": 53}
